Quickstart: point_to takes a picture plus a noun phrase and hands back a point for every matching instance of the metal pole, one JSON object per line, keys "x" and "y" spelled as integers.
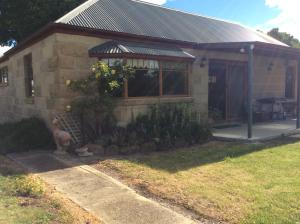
{"x": 250, "y": 88}
{"x": 298, "y": 94}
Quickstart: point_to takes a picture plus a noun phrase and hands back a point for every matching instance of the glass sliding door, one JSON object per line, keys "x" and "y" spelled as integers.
{"x": 217, "y": 90}
{"x": 227, "y": 89}
{"x": 236, "y": 90}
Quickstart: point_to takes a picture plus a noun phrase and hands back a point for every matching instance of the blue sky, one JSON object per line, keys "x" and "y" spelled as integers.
{"x": 257, "y": 14}
{"x": 251, "y": 13}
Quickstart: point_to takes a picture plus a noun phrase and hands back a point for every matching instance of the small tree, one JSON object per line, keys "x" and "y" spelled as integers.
{"x": 98, "y": 93}
{"x": 284, "y": 37}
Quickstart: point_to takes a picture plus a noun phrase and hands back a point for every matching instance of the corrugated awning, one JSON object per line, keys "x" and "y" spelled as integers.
{"x": 115, "y": 49}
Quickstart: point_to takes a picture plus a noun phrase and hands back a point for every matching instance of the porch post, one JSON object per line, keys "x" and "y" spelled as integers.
{"x": 298, "y": 93}
{"x": 250, "y": 90}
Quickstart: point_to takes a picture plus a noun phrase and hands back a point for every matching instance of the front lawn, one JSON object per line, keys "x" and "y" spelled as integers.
{"x": 24, "y": 199}
{"x": 237, "y": 183}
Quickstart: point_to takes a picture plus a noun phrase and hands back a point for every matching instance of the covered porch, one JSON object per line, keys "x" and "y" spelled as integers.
{"x": 258, "y": 98}
{"x": 260, "y": 131}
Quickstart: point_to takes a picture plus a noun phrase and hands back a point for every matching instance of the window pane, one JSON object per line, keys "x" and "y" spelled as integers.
{"x": 144, "y": 83}
{"x": 28, "y": 71}
{"x": 290, "y": 83}
{"x": 174, "y": 82}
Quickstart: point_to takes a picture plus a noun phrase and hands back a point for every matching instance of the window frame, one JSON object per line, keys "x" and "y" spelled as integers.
{"x": 147, "y": 86}
{"x": 28, "y": 76}
{"x": 3, "y": 70}
{"x": 290, "y": 71}
{"x": 160, "y": 78}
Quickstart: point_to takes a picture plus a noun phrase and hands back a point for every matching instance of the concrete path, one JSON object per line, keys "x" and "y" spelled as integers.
{"x": 106, "y": 198}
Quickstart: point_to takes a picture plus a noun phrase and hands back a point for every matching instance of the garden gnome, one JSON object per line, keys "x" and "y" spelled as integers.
{"x": 62, "y": 138}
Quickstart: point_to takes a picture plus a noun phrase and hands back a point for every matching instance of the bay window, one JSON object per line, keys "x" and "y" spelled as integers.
{"x": 174, "y": 78}
{"x": 154, "y": 78}
{"x": 145, "y": 82}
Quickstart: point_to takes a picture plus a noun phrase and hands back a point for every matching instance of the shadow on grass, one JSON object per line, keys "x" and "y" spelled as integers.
{"x": 8, "y": 168}
{"x": 213, "y": 152}
{"x": 170, "y": 161}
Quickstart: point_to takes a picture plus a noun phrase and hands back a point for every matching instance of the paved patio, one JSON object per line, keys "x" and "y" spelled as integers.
{"x": 261, "y": 131}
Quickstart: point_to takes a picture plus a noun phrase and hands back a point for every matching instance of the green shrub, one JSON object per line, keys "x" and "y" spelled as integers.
{"x": 168, "y": 124}
{"x": 98, "y": 94}
{"x": 27, "y": 134}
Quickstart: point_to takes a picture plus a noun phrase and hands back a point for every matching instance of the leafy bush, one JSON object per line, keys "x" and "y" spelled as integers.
{"x": 27, "y": 134}
{"x": 165, "y": 125}
{"x": 98, "y": 93}
{"x": 170, "y": 124}
{"x": 121, "y": 137}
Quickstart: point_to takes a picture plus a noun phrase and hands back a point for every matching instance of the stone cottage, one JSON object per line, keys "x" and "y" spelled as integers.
{"x": 178, "y": 57}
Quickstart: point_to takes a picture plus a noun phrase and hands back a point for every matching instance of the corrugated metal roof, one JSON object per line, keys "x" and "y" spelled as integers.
{"x": 140, "y": 18}
{"x": 114, "y": 47}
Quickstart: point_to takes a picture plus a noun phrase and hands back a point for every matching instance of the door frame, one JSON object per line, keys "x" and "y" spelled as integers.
{"x": 228, "y": 63}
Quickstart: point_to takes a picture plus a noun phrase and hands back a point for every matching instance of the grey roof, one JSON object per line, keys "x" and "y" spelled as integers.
{"x": 140, "y": 18}
{"x": 114, "y": 47}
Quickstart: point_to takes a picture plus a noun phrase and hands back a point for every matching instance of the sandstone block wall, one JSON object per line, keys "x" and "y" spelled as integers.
{"x": 271, "y": 83}
{"x": 265, "y": 83}
{"x": 13, "y": 102}
{"x": 62, "y": 57}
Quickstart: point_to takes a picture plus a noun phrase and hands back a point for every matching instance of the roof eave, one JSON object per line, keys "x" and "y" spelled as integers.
{"x": 83, "y": 31}
{"x": 35, "y": 37}
{"x": 259, "y": 47}
{"x": 141, "y": 56}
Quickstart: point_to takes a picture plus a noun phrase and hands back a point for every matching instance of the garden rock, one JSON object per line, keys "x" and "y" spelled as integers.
{"x": 112, "y": 150}
{"x": 97, "y": 149}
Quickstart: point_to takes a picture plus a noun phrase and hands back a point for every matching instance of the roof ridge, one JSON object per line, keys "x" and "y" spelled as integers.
{"x": 77, "y": 10}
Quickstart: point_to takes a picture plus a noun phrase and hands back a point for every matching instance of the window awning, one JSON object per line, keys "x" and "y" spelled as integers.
{"x": 115, "y": 49}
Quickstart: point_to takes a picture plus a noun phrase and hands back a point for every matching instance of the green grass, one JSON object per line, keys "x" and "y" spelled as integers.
{"x": 237, "y": 183}
{"x": 23, "y": 199}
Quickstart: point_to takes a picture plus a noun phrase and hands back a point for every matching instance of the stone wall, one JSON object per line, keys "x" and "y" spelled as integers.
{"x": 13, "y": 102}
{"x": 56, "y": 59}
{"x": 74, "y": 63}
{"x": 265, "y": 83}
{"x": 199, "y": 76}
{"x": 270, "y": 83}
{"x": 62, "y": 57}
